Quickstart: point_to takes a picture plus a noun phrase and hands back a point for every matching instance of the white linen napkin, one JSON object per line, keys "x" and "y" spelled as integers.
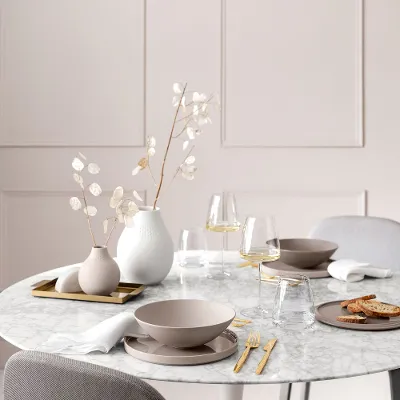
{"x": 101, "y": 337}
{"x": 354, "y": 271}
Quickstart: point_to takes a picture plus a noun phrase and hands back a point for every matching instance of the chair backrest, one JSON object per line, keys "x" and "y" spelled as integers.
{"x": 365, "y": 239}
{"x": 32, "y": 375}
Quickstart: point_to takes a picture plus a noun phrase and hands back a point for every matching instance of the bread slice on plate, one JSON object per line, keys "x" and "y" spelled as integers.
{"x": 347, "y": 302}
{"x": 354, "y": 308}
{"x": 352, "y": 319}
{"x": 376, "y": 309}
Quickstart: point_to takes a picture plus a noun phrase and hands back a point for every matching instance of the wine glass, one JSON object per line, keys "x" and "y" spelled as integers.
{"x": 260, "y": 244}
{"x": 222, "y": 218}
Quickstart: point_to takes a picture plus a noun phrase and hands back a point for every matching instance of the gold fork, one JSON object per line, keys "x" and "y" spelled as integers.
{"x": 252, "y": 342}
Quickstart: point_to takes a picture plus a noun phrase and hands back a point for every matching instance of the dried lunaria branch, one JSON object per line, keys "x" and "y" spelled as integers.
{"x": 177, "y": 89}
{"x": 125, "y": 208}
{"x": 195, "y": 114}
{"x": 94, "y": 188}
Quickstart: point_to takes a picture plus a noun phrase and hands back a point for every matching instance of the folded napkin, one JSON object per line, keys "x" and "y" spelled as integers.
{"x": 354, "y": 271}
{"x": 101, "y": 337}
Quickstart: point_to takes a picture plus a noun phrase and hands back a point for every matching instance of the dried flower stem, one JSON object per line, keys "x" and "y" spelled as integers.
{"x": 194, "y": 112}
{"x": 183, "y": 130}
{"x": 111, "y": 231}
{"x": 167, "y": 149}
{"x": 177, "y": 170}
{"x": 88, "y": 218}
{"x": 150, "y": 171}
{"x": 180, "y": 165}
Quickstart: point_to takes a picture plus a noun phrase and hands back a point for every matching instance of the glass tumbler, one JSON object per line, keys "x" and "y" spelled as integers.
{"x": 294, "y": 302}
{"x": 192, "y": 252}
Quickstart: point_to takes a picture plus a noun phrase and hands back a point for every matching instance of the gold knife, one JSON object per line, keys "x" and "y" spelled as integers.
{"x": 268, "y": 348}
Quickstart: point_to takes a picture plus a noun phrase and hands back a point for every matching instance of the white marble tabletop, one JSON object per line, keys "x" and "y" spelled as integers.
{"x": 323, "y": 353}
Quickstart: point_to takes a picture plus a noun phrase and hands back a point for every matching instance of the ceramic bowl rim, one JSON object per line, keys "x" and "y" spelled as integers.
{"x": 227, "y": 321}
{"x": 334, "y": 246}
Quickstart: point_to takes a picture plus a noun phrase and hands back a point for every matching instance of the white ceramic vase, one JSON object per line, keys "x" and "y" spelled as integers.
{"x": 99, "y": 273}
{"x": 145, "y": 252}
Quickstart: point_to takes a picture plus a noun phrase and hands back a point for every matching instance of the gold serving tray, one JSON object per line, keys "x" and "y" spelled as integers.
{"x": 123, "y": 293}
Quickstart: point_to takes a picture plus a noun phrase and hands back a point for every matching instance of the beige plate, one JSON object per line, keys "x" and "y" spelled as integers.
{"x": 280, "y": 268}
{"x": 327, "y": 313}
{"x": 123, "y": 293}
{"x": 151, "y": 351}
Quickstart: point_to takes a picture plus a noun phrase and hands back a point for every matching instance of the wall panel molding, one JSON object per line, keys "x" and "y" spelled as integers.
{"x": 6, "y": 218}
{"x": 358, "y": 135}
{"x": 129, "y": 129}
{"x": 297, "y": 211}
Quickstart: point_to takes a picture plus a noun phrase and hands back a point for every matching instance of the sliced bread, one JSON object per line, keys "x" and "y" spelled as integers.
{"x": 376, "y": 309}
{"x": 354, "y": 308}
{"x": 347, "y": 302}
{"x": 352, "y": 319}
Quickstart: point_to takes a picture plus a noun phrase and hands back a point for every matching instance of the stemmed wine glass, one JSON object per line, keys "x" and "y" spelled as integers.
{"x": 222, "y": 218}
{"x": 259, "y": 244}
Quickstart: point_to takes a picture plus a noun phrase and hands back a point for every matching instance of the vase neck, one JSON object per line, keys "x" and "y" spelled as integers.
{"x": 99, "y": 251}
{"x": 147, "y": 215}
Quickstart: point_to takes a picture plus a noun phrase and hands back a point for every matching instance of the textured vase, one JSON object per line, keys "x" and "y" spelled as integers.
{"x": 145, "y": 252}
{"x": 99, "y": 273}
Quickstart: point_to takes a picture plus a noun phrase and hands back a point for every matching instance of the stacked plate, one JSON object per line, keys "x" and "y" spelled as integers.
{"x": 183, "y": 332}
{"x": 309, "y": 257}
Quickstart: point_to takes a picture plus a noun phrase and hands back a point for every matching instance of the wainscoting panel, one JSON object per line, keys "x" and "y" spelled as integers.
{"x": 74, "y": 70}
{"x": 292, "y": 76}
{"x": 296, "y": 213}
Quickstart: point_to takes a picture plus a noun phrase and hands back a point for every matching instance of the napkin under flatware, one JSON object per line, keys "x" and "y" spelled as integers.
{"x": 353, "y": 271}
{"x": 101, "y": 337}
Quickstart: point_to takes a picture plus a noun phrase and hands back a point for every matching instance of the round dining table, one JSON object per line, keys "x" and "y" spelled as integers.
{"x": 320, "y": 353}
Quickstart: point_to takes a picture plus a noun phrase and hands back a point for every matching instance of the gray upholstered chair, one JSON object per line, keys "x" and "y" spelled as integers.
{"x": 31, "y": 375}
{"x": 368, "y": 239}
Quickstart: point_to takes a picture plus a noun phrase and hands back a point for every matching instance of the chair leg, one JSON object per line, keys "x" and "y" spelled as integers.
{"x": 231, "y": 392}
{"x": 305, "y": 391}
{"x": 394, "y": 379}
{"x": 286, "y": 389}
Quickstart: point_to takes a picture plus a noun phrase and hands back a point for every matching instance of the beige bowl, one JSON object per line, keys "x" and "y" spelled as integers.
{"x": 306, "y": 253}
{"x": 184, "y": 323}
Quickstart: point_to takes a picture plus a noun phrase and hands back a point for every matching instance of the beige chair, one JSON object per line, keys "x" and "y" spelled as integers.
{"x": 31, "y": 375}
{"x": 368, "y": 239}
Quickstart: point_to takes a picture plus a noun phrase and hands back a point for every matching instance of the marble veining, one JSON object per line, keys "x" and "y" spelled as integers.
{"x": 321, "y": 353}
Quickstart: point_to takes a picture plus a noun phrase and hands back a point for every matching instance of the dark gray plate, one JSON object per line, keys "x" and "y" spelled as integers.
{"x": 327, "y": 313}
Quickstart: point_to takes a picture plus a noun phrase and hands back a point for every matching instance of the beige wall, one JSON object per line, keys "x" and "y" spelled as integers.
{"x": 309, "y": 127}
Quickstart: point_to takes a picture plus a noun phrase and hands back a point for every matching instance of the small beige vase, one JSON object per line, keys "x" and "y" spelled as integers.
{"x": 99, "y": 273}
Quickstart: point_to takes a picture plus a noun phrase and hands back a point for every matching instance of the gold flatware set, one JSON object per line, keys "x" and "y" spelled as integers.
{"x": 252, "y": 342}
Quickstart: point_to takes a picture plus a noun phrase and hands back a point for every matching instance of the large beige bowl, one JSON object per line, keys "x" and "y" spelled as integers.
{"x": 306, "y": 253}
{"x": 184, "y": 323}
